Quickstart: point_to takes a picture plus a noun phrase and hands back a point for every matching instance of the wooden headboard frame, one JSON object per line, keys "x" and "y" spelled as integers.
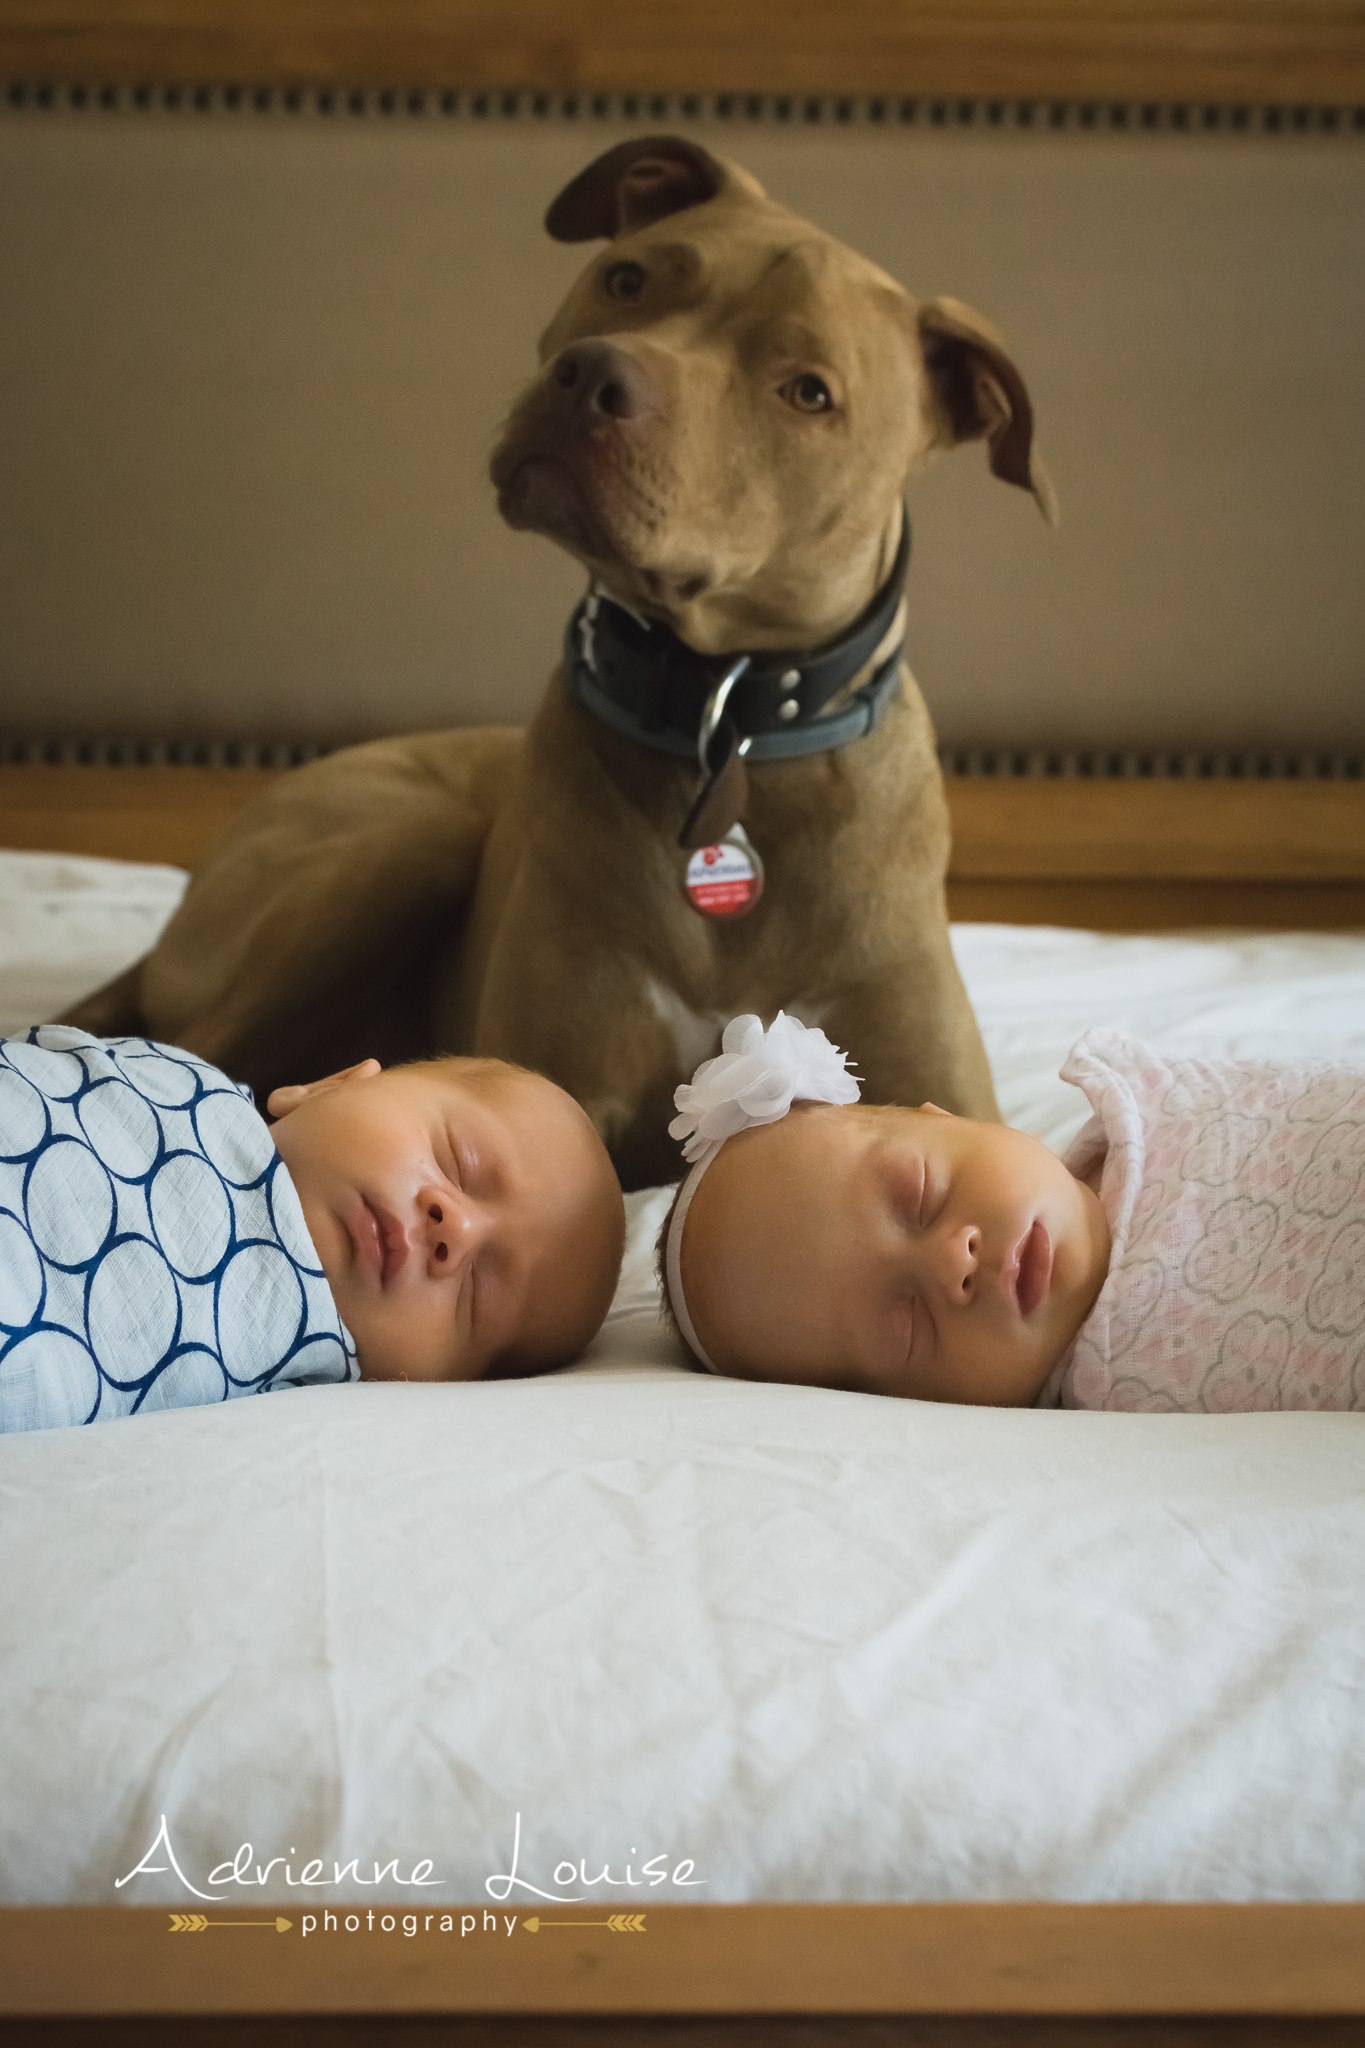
{"x": 1294, "y": 53}
{"x": 1111, "y": 853}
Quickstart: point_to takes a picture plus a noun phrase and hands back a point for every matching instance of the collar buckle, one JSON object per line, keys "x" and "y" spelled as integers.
{"x": 714, "y": 710}
{"x": 641, "y": 680}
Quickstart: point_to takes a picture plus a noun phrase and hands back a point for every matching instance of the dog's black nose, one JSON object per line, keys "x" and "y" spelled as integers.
{"x": 601, "y": 378}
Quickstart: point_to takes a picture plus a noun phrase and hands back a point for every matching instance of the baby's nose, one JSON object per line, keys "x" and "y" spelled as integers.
{"x": 960, "y": 1257}
{"x": 452, "y": 1230}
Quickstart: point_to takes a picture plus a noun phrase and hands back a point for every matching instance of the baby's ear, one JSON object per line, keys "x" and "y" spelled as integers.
{"x": 281, "y": 1100}
{"x": 933, "y": 1109}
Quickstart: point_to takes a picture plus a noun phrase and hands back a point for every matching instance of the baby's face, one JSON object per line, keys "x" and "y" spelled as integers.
{"x": 465, "y": 1213}
{"x": 893, "y": 1251}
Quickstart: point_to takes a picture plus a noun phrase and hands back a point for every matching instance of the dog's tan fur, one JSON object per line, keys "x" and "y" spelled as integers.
{"x": 477, "y": 891}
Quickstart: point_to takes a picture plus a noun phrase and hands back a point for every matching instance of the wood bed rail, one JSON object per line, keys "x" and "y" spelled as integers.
{"x": 1286, "y": 52}
{"x": 1111, "y": 855}
{"x": 1298, "y": 1962}
{"x": 1138, "y": 855}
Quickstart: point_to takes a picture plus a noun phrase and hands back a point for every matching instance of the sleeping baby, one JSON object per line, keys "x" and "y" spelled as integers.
{"x": 162, "y": 1246}
{"x": 1201, "y": 1247}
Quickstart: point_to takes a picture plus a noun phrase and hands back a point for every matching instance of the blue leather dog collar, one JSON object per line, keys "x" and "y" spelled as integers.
{"x": 647, "y": 684}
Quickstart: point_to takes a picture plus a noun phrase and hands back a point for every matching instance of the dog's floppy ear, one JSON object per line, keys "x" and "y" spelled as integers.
{"x": 981, "y": 393}
{"x": 632, "y": 185}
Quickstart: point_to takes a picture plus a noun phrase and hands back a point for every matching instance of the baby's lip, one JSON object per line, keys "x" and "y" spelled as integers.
{"x": 1028, "y": 1269}
{"x": 381, "y": 1241}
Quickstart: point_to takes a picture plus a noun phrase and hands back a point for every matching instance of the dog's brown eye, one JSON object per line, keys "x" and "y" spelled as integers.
{"x": 809, "y": 394}
{"x": 625, "y": 280}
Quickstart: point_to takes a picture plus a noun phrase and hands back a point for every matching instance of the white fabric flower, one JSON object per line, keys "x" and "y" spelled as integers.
{"x": 755, "y": 1079}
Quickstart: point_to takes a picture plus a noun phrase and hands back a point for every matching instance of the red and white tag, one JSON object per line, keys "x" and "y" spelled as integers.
{"x": 725, "y": 880}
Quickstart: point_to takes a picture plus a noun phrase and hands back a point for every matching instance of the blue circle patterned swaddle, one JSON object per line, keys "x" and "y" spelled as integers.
{"x": 153, "y": 1251}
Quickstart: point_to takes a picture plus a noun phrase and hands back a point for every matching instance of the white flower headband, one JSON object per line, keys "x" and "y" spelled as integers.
{"x": 755, "y": 1079}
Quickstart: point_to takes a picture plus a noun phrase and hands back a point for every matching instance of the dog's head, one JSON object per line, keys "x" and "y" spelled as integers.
{"x": 730, "y": 401}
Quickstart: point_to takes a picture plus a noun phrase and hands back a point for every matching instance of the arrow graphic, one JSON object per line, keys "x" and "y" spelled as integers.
{"x": 619, "y": 1923}
{"x": 195, "y": 1923}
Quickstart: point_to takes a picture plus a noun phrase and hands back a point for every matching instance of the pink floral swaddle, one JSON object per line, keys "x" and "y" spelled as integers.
{"x": 1235, "y": 1191}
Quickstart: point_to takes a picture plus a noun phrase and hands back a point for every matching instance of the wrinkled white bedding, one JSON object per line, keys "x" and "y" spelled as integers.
{"x": 819, "y": 1646}
{"x": 68, "y": 925}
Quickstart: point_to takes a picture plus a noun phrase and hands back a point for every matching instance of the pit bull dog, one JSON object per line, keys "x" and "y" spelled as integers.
{"x": 730, "y": 798}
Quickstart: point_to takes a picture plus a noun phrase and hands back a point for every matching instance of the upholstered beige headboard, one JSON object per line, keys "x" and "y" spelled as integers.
{"x": 257, "y": 341}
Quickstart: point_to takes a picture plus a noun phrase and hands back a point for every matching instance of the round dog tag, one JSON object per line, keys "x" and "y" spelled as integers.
{"x": 725, "y": 880}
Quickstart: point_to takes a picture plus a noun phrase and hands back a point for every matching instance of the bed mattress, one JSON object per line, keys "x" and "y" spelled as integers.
{"x": 634, "y": 1635}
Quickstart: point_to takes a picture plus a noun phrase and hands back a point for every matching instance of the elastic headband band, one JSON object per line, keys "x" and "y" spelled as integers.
{"x": 754, "y": 1080}
{"x": 673, "y": 1259}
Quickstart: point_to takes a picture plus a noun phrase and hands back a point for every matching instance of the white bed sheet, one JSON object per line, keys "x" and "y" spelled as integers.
{"x": 823, "y": 1646}
{"x": 68, "y": 925}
